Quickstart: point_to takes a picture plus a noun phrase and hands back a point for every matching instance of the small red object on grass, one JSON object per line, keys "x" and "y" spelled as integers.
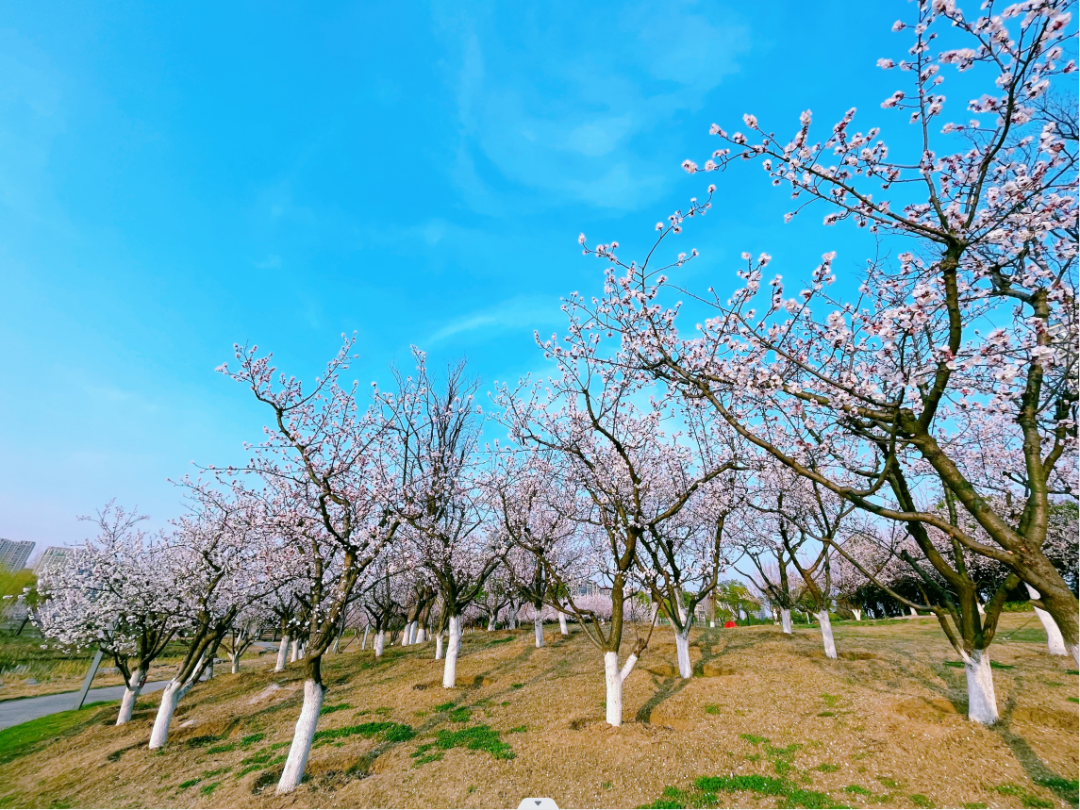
{"x": 728, "y": 624}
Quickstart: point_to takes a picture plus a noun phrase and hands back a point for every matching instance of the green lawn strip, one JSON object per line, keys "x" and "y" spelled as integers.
{"x": 475, "y": 738}
{"x": 337, "y": 707}
{"x": 395, "y": 732}
{"x": 26, "y": 738}
{"x": 1028, "y": 800}
{"x": 705, "y": 790}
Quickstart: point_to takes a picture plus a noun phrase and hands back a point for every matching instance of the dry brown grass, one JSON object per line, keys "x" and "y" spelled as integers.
{"x": 888, "y": 718}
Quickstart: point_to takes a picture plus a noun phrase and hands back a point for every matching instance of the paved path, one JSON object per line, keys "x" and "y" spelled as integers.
{"x": 21, "y": 710}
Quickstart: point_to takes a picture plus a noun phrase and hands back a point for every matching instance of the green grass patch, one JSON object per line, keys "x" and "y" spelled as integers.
{"x": 26, "y": 738}
{"x": 1028, "y": 800}
{"x": 461, "y": 714}
{"x": 337, "y": 707}
{"x": 1072, "y": 672}
{"x": 476, "y": 738}
{"x": 517, "y": 686}
{"x": 518, "y": 730}
{"x": 251, "y": 739}
{"x": 216, "y": 772}
{"x": 919, "y": 800}
{"x": 888, "y": 782}
{"x": 858, "y": 790}
{"x": 705, "y": 789}
{"x": 753, "y": 739}
{"x": 827, "y": 767}
{"x": 974, "y": 805}
{"x": 221, "y": 749}
{"x": 495, "y": 641}
{"x": 206, "y": 790}
{"x": 203, "y": 740}
{"x": 712, "y": 708}
{"x": 1074, "y": 700}
{"x": 830, "y": 700}
{"x": 826, "y": 714}
{"x": 444, "y": 707}
{"x": 396, "y": 732}
{"x": 276, "y": 746}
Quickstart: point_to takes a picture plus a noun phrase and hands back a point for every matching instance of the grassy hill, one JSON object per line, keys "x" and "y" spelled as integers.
{"x": 766, "y": 721}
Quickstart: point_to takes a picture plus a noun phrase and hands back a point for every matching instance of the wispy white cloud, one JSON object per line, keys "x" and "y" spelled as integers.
{"x": 519, "y": 314}
{"x": 546, "y": 108}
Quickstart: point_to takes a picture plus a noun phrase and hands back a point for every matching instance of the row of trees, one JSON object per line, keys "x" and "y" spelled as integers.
{"x": 917, "y": 439}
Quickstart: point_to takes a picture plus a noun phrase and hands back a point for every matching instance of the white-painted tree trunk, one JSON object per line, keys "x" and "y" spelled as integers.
{"x": 615, "y": 678}
{"x": 364, "y": 645}
{"x": 614, "y": 688}
{"x": 562, "y": 624}
{"x": 914, "y": 612}
{"x": 421, "y": 635}
{"x": 380, "y": 642}
{"x": 785, "y": 620}
{"x": 857, "y": 614}
{"x": 234, "y": 660}
{"x": 1055, "y": 644}
{"x": 282, "y": 654}
{"x": 491, "y": 622}
{"x": 131, "y": 694}
{"x": 538, "y": 631}
{"x": 826, "y": 634}
{"x": 982, "y": 703}
{"x": 302, "y": 737}
{"x": 170, "y": 696}
{"x": 294, "y": 651}
{"x": 453, "y": 647}
{"x": 682, "y": 650}
{"x": 438, "y": 646}
{"x": 655, "y": 614}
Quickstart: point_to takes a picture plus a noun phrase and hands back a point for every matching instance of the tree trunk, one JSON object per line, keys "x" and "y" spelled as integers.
{"x": 982, "y": 703}
{"x": 453, "y": 647}
{"x": 380, "y": 641}
{"x": 785, "y": 620}
{"x": 614, "y": 688}
{"x": 1055, "y": 644}
{"x": 914, "y": 613}
{"x": 615, "y": 678}
{"x": 491, "y": 622}
{"x": 438, "y": 646}
{"x": 282, "y": 653}
{"x": 302, "y": 737}
{"x": 294, "y": 651}
{"x": 170, "y": 696}
{"x": 538, "y": 631}
{"x": 682, "y": 648}
{"x": 131, "y": 694}
{"x": 826, "y": 634}
{"x": 421, "y": 635}
{"x": 364, "y": 645}
{"x": 857, "y": 614}
{"x": 235, "y": 658}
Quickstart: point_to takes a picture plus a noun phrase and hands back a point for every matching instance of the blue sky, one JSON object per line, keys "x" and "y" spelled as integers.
{"x": 177, "y": 178}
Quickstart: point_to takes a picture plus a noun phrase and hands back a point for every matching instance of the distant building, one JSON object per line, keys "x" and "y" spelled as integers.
{"x": 51, "y": 556}
{"x": 15, "y": 553}
{"x": 587, "y": 588}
